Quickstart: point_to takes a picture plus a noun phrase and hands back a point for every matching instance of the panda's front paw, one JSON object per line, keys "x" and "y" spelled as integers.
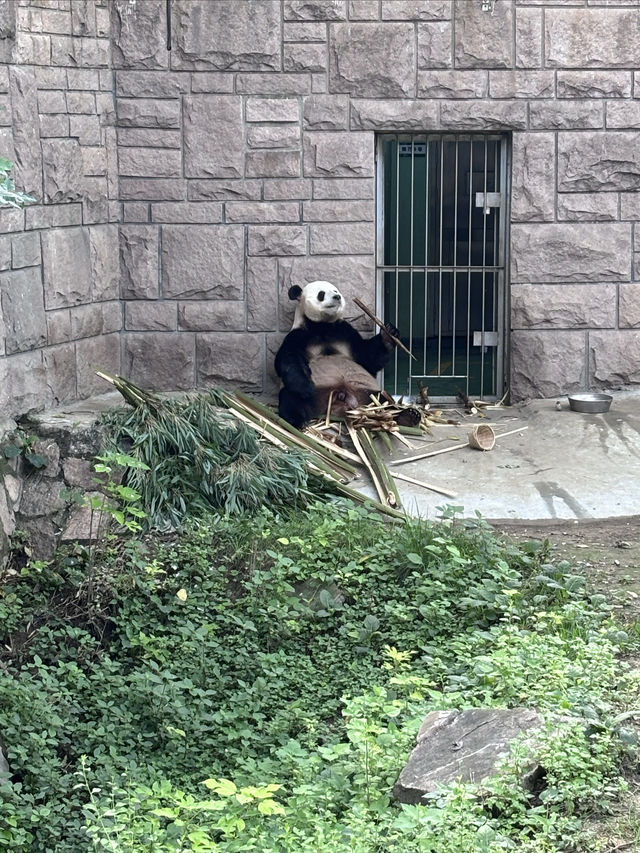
{"x": 389, "y": 333}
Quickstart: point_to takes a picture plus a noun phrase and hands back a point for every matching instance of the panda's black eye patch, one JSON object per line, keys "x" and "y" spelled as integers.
{"x": 321, "y": 296}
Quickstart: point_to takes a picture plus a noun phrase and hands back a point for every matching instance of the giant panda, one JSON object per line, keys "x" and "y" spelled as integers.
{"x": 324, "y": 353}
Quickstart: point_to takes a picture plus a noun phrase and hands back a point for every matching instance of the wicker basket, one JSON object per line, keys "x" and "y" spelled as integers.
{"x": 482, "y": 437}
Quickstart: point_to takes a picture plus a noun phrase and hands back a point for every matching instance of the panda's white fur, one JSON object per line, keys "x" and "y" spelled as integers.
{"x": 327, "y": 309}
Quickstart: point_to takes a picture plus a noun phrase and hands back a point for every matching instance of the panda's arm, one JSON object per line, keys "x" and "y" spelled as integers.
{"x": 373, "y": 353}
{"x": 292, "y": 366}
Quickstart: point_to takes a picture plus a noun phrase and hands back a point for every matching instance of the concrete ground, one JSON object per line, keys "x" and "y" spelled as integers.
{"x": 561, "y": 464}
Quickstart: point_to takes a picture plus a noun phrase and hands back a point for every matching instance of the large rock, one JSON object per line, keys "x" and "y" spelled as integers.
{"x": 359, "y": 60}
{"x": 462, "y": 745}
{"x": 570, "y": 252}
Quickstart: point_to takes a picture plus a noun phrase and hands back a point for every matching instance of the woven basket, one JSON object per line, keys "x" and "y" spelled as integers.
{"x": 482, "y": 437}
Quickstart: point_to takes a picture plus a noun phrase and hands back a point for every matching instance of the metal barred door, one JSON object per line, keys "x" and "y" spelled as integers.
{"x": 441, "y": 261}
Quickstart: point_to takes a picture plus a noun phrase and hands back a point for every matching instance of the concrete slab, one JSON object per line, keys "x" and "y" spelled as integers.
{"x": 564, "y": 465}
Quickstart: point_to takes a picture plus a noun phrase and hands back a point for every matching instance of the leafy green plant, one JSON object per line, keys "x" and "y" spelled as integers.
{"x": 9, "y": 195}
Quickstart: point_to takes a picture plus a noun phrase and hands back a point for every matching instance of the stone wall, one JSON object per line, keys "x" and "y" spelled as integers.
{"x": 246, "y": 161}
{"x": 60, "y": 312}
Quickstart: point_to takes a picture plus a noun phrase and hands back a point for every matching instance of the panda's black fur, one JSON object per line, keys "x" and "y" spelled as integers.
{"x": 323, "y": 356}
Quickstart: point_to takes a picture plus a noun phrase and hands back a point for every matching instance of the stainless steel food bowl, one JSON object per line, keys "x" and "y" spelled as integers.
{"x": 590, "y": 402}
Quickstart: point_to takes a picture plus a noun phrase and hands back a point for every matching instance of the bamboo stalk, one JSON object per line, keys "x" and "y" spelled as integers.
{"x": 379, "y": 322}
{"x": 449, "y": 449}
{"x": 392, "y": 494}
{"x": 424, "y": 484}
{"x": 372, "y": 472}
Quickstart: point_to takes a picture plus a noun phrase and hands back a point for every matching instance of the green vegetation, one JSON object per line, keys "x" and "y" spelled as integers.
{"x": 256, "y": 684}
{"x": 9, "y": 195}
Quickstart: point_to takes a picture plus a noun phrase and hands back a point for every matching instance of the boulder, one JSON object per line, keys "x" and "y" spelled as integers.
{"x": 463, "y": 746}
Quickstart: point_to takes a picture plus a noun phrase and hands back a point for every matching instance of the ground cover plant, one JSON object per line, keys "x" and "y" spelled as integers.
{"x": 256, "y": 683}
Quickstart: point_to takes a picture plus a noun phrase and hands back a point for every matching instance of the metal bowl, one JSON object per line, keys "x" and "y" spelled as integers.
{"x": 590, "y": 402}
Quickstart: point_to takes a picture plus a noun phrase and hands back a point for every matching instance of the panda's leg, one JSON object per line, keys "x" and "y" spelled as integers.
{"x": 294, "y": 409}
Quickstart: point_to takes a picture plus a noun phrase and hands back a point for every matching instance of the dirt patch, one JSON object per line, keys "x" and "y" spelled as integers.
{"x": 606, "y": 551}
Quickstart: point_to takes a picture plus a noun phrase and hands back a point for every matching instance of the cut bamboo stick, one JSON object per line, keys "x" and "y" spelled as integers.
{"x": 392, "y": 496}
{"x": 424, "y": 484}
{"x": 379, "y": 322}
{"x": 382, "y": 494}
{"x": 449, "y": 449}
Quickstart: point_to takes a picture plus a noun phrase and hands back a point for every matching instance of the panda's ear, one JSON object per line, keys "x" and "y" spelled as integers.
{"x": 295, "y": 291}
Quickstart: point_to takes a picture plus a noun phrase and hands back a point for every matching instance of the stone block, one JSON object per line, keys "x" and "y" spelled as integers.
{"x": 204, "y": 212}
{"x": 304, "y": 32}
{"x": 630, "y": 209}
{"x": 41, "y": 496}
{"x": 629, "y": 306}
{"x": 160, "y": 361}
{"x": 522, "y": 84}
{"x": 207, "y": 154}
{"x": 528, "y": 38}
{"x": 262, "y": 294}
{"x": 623, "y": 114}
{"x": 138, "y": 34}
{"x": 598, "y": 161}
{"x": 151, "y": 84}
{"x": 23, "y": 316}
{"x": 94, "y": 161}
{"x": 344, "y": 188}
{"x": 217, "y": 315}
{"x": 25, "y": 250}
{"x": 111, "y": 316}
{"x": 52, "y": 101}
{"x": 151, "y": 189}
{"x": 150, "y": 163}
{"x": 416, "y": 10}
{"x": 5, "y": 252}
{"x": 78, "y": 103}
{"x": 230, "y": 360}
{"x": 549, "y": 363}
{"x": 394, "y": 115}
{"x": 342, "y": 238}
{"x": 60, "y": 374}
{"x": 48, "y": 448}
{"x": 63, "y": 181}
{"x": 135, "y": 211}
{"x": 78, "y": 78}
{"x": 272, "y": 164}
{"x": 273, "y": 84}
{"x": 483, "y": 115}
{"x": 567, "y": 252}
{"x": 66, "y": 266}
{"x": 139, "y": 270}
{"x": 86, "y": 321}
{"x": 272, "y": 109}
{"x": 53, "y": 215}
{"x": 101, "y": 353}
{"x": 83, "y": 19}
{"x": 150, "y": 316}
{"x": 587, "y": 207}
{"x": 614, "y": 358}
{"x": 453, "y": 84}
{"x": 150, "y": 137}
{"x": 338, "y": 211}
{"x": 359, "y": 60}
{"x": 105, "y": 269}
{"x": 262, "y": 212}
{"x": 54, "y": 125}
{"x": 302, "y": 58}
{"x": 364, "y": 10}
{"x": 434, "y": 45}
{"x": 482, "y": 40}
{"x": 563, "y": 306}
{"x": 333, "y": 155}
{"x": 592, "y": 38}
{"x": 212, "y": 83}
{"x": 58, "y": 326}
{"x": 315, "y": 10}
{"x": 565, "y": 115}
{"x": 273, "y": 136}
{"x": 11, "y": 220}
{"x": 78, "y": 473}
{"x": 148, "y": 112}
{"x": 28, "y": 149}
{"x": 287, "y": 188}
{"x": 227, "y": 36}
{"x": 271, "y": 240}
{"x": 220, "y": 190}
{"x": 326, "y": 112}
{"x": 23, "y": 385}
{"x": 202, "y": 261}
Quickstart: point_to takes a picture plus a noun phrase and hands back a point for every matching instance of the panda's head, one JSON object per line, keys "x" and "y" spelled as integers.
{"x": 319, "y": 301}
